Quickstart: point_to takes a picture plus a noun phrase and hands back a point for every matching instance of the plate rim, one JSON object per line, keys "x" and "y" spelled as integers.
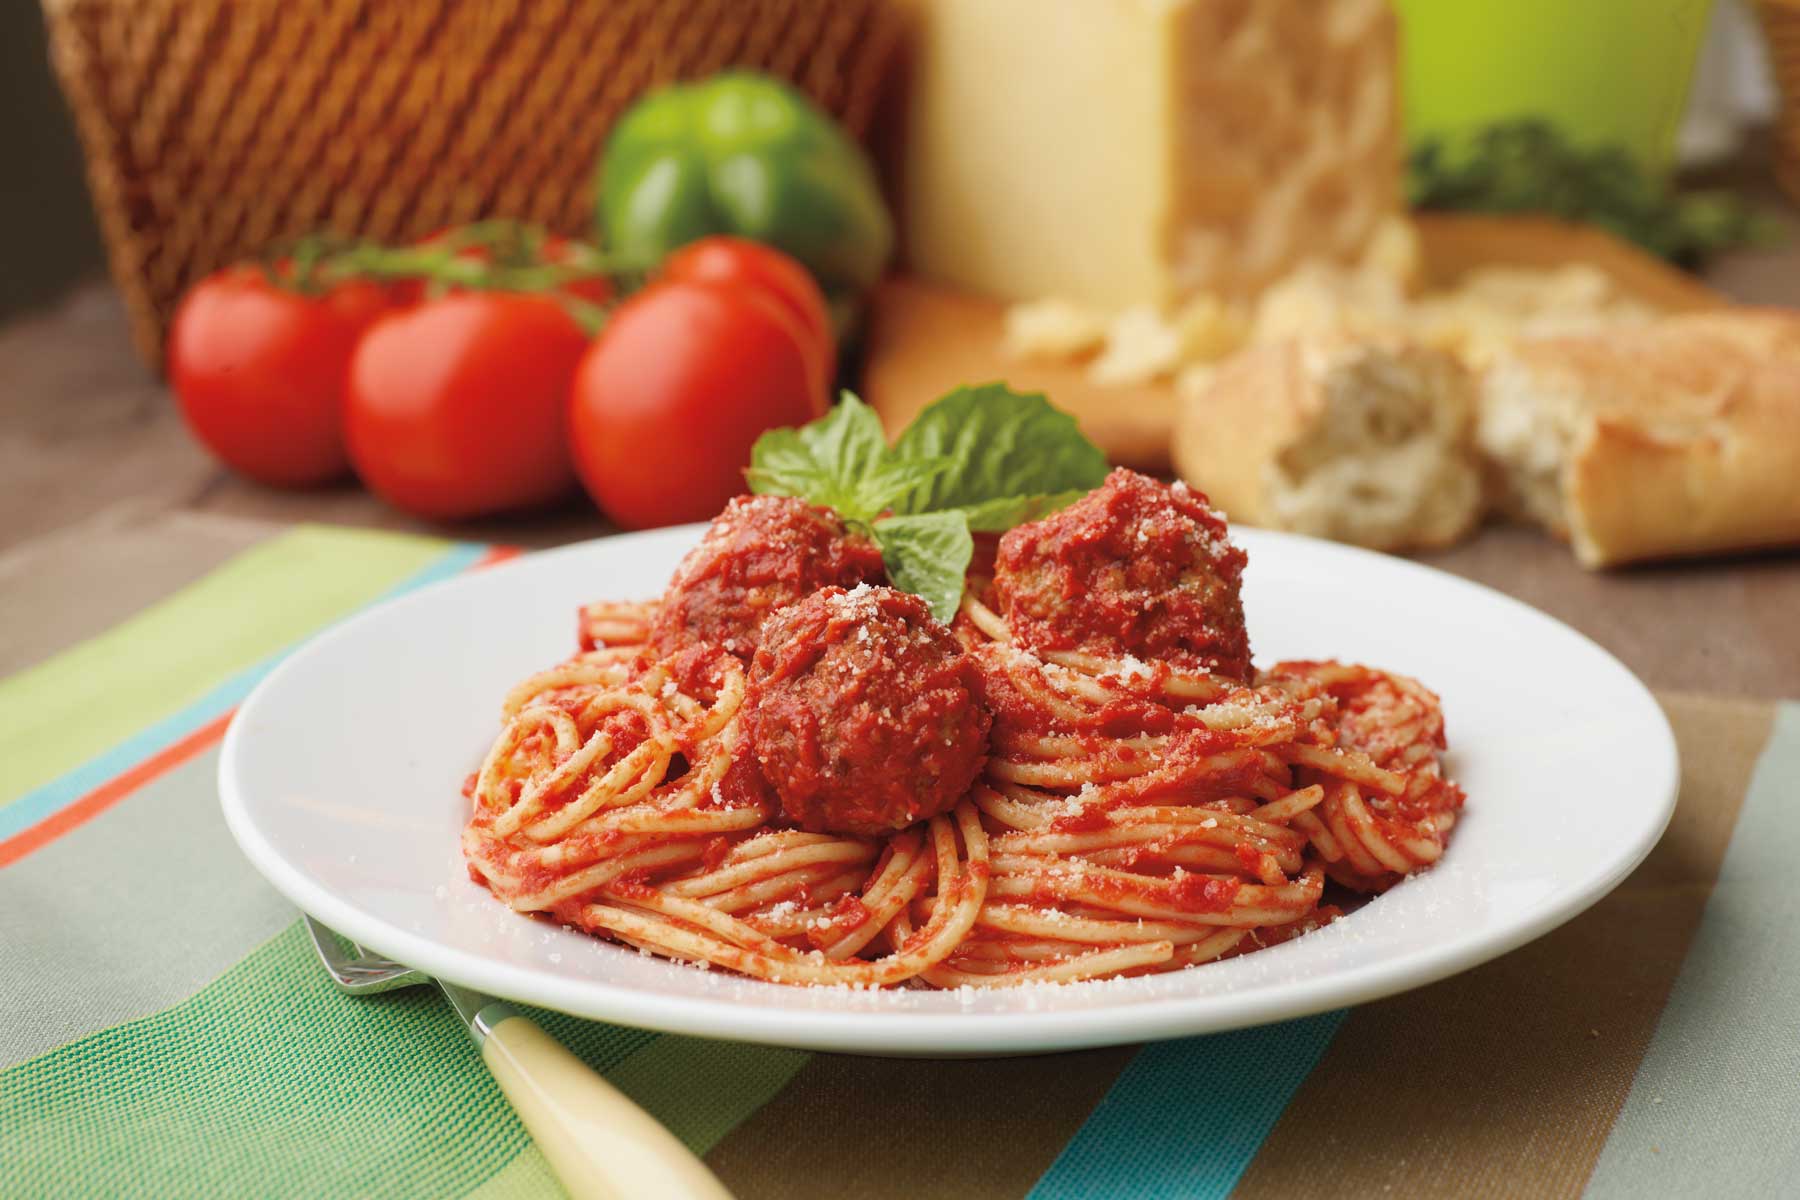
{"x": 928, "y": 1034}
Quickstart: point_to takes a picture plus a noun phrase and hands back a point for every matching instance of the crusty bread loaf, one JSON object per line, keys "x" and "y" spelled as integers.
{"x": 1677, "y": 438}
{"x": 1361, "y": 441}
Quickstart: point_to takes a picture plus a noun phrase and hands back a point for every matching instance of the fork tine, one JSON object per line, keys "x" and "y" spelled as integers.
{"x": 363, "y": 973}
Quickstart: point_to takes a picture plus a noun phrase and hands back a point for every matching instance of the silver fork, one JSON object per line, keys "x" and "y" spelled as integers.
{"x": 599, "y": 1143}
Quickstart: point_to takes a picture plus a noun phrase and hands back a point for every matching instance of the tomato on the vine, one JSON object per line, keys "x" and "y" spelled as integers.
{"x": 258, "y": 368}
{"x": 510, "y": 246}
{"x": 459, "y": 407}
{"x": 670, "y": 398}
{"x": 740, "y": 262}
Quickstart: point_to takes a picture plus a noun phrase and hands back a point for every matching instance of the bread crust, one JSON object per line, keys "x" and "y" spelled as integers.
{"x": 1262, "y": 430}
{"x": 1229, "y": 428}
{"x": 1682, "y": 437}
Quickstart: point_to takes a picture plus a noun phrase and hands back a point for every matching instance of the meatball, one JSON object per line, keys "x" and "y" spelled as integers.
{"x": 761, "y": 554}
{"x": 864, "y": 714}
{"x": 1135, "y": 567}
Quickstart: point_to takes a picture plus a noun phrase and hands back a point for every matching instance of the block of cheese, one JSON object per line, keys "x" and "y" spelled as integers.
{"x": 1121, "y": 152}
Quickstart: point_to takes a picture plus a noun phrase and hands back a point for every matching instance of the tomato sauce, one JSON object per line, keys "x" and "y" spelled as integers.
{"x": 1134, "y": 568}
{"x": 866, "y": 716}
{"x": 759, "y": 555}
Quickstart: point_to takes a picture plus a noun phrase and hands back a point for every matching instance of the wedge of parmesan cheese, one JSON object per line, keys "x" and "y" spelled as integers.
{"x": 1123, "y": 152}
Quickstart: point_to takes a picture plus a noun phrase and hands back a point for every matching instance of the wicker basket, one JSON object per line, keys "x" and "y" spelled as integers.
{"x": 1781, "y": 24}
{"x": 213, "y": 128}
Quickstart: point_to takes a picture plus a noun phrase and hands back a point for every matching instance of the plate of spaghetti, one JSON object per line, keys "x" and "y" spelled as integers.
{"x": 784, "y": 785}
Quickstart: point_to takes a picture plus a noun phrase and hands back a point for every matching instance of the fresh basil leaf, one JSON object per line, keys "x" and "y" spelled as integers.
{"x": 847, "y": 441}
{"x": 1002, "y": 444}
{"x": 783, "y": 452}
{"x": 1001, "y": 514}
{"x": 894, "y": 478}
{"x": 928, "y": 554}
{"x": 993, "y": 455}
{"x": 808, "y": 485}
{"x": 782, "y": 463}
{"x": 840, "y": 460}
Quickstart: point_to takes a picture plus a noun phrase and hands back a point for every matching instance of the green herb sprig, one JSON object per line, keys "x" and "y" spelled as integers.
{"x": 978, "y": 460}
{"x": 1527, "y": 166}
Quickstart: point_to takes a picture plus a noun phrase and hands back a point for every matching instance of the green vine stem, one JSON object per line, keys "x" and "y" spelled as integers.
{"x": 485, "y": 256}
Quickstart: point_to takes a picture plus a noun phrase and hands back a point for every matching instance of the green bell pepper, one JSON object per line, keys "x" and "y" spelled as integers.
{"x": 743, "y": 154}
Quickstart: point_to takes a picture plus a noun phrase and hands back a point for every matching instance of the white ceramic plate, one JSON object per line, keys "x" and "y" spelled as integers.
{"x": 340, "y": 780}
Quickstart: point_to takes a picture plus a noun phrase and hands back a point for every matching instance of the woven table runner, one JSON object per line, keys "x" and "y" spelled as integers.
{"x": 167, "y": 1032}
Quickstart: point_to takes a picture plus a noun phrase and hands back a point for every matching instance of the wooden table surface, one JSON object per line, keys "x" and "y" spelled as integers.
{"x": 107, "y": 505}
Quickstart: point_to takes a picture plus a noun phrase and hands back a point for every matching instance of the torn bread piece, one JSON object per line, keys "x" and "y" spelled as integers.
{"x": 1369, "y": 442}
{"x": 1677, "y": 438}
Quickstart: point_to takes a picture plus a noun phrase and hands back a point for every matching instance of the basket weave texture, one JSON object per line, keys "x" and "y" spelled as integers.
{"x": 214, "y": 128}
{"x": 1781, "y": 25}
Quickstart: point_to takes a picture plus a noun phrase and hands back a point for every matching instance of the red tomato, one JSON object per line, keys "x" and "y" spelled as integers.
{"x": 742, "y": 262}
{"x": 675, "y": 391}
{"x": 259, "y": 372}
{"x": 458, "y": 407}
{"x": 555, "y": 250}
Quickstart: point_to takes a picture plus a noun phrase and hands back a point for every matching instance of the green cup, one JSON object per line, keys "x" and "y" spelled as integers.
{"x": 1604, "y": 72}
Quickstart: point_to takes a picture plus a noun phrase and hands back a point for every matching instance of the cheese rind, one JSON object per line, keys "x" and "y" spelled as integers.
{"x": 1141, "y": 151}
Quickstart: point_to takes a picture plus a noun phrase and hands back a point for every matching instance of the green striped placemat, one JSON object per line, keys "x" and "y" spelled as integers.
{"x": 169, "y": 1034}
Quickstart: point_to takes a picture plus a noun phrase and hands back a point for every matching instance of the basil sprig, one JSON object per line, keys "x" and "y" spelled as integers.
{"x": 978, "y": 460}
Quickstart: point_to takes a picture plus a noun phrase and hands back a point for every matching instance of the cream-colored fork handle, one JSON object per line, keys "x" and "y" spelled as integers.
{"x": 601, "y": 1145}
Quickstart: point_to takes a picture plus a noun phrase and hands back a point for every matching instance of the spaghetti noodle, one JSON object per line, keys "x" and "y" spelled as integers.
{"x": 1132, "y": 816}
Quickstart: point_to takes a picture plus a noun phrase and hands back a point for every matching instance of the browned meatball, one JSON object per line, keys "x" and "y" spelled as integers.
{"x": 1135, "y": 567}
{"x": 864, "y": 712}
{"x": 761, "y": 554}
